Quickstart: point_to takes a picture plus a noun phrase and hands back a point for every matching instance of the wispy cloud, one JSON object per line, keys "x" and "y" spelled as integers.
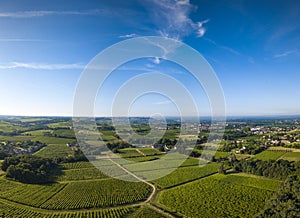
{"x": 286, "y": 53}
{"x": 201, "y": 30}
{"x": 41, "y": 66}
{"x": 172, "y": 18}
{"x": 128, "y": 35}
{"x": 43, "y": 13}
{"x": 233, "y": 51}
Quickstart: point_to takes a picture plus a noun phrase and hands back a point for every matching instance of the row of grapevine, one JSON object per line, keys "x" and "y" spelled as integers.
{"x": 101, "y": 193}
{"x": 81, "y": 174}
{"x": 185, "y": 174}
{"x": 77, "y": 165}
{"x": 269, "y": 155}
{"x": 33, "y": 195}
{"x": 18, "y": 211}
{"x": 212, "y": 197}
{"x": 250, "y": 180}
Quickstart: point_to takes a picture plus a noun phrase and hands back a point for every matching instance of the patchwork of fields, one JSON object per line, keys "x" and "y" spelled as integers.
{"x": 194, "y": 189}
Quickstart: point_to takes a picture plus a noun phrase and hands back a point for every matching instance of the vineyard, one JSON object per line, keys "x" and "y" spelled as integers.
{"x": 54, "y": 151}
{"x": 291, "y": 156}
{"x": 145, "y": 212}
{"x": 33, "y": 195}
{"x": 8, "y": 209}
{"x": 251, "y": 181}
{"x": 269, "y": 155}
{"x": 81, "y": 174}
{"x": 77, "y": 165}
{"x": 75, "y": 195}
{"x": 185, "y": 174}
{"x": 95, "y": 194}
{"x": 209, "y": 197}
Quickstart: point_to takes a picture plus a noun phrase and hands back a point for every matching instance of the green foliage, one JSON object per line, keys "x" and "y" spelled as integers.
{"x": 28, "y": 169}
{"x": 286, "y": 202}
{"x": 222, "y": 169}
{"x": 102, "y": 193}
{"x": 212, "y": 197}
{"x": 273, "y": 169}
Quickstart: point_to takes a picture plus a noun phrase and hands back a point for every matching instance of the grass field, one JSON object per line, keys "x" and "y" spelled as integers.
{"x": 269, "y": 155}
{"x": 209, "y": 197}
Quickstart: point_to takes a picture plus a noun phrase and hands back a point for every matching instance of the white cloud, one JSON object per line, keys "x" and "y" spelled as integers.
{"x": 286, "y": 53}
{"x": 200, "y": 24}
{"x": 201, "y": 31}
{"x": 41, "y": 66}
{"x": 156, "y": 60}
{"x": 128, "y": 35}
{"x": 172, "y": 18}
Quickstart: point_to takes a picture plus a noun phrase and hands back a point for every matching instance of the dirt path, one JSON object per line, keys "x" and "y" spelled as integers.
{"x": 140, "y": 179}
{"x": 140, "y": 152}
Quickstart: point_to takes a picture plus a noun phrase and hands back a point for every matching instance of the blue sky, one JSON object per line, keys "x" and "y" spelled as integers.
{"x": 253, "y": 47}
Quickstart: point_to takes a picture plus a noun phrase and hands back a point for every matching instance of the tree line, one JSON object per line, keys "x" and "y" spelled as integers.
{"x": 29, "y": 169}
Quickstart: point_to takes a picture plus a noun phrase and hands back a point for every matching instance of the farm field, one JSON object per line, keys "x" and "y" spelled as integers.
{"x": 75, "y": 195}
{"x": 95, "y": 194}
{"x": 79, "y": 189}
{"x": 291, "y": 156}
{"x": 269, "y": 155}
{"x": 207, "y": 197}
{"x": 11, "y": 209}
{"x": 81, "y": 174}
{"x": 185, "y": 174}
{"x": 54, "y": 151}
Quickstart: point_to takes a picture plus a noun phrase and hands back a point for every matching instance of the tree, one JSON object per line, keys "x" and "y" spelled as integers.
{"x": 222, "y": 169}
{"x": 29, "y": 169}
{"x": 286, "y": 202}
